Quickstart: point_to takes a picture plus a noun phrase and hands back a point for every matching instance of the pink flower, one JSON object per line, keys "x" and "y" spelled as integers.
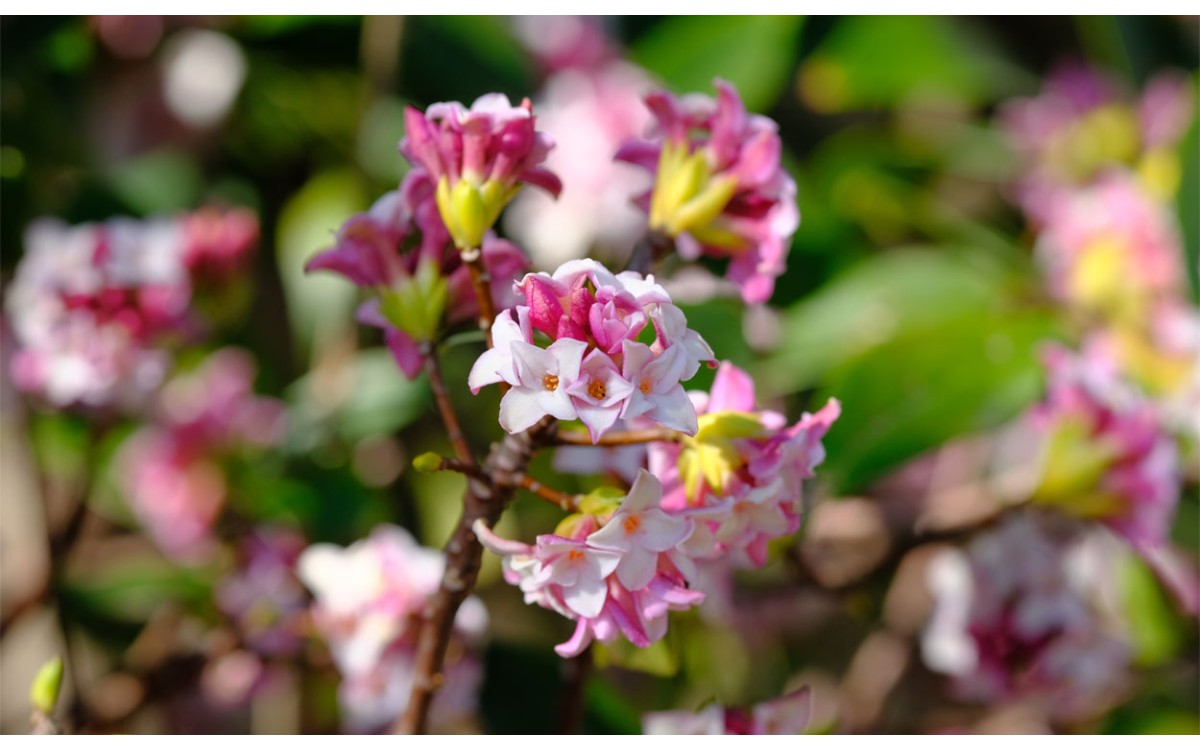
{"x": 640, "y": 530}
{"x": 599, "y": 394}
{"x": 1105, "y": 454}
{"x": 1014, "y": 620}
{"x": 219, "y": 242}
{"x": 786, "y": 715}
{"x": 543, "y": 378}
{"x": 617, "y": 583}
{"x": 740, "y": 479}
{"x": 478, "y": 158}
{"x": 719, "y": 187}
{"x": 591, "y": 113}
{"x": 414, "y": 291}
{"x": 263, "y": 596}
{"x": 586, "y": 310}
{"x": 1111, "y": 249}
{"x": 172, "y": 475}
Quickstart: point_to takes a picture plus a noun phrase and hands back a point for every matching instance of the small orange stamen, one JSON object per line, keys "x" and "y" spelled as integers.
{"x": 550, "y": 382}
{"x": 597, "y": 390}
{"x": 644, "y": 387}
{"x": 574, "y": 555}
{"x": 632, "y": 524}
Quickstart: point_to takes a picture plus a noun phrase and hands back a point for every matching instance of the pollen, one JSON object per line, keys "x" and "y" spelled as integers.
{"x": 644, "y": 386}
{"x": 632, "y": 524}
{"x": 596, "y": 389}
{"x": 574, "y": 555}
{"x": 550, "y": 382}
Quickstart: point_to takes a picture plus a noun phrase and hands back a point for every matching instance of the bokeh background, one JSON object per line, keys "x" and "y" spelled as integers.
{"x": 911, "y": 295}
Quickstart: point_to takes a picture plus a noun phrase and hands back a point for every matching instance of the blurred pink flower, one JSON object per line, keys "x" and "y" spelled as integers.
{"x": 172, "y": 475}
{"x": 785, "y": 715}
{"x": 591, "y": 112}
{"x": 1105, "y": 452}
{"x": 1011, "y": 621}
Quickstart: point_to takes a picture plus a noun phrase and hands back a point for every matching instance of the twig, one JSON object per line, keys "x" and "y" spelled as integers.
{"x": 483, "y": 500}
{"x": 516, "y": 481}
{"x": 480, "y": 280}
{"x": 570, "y": 715}
{"x": 438, "y": 385}
{"x": 626, "y": 437}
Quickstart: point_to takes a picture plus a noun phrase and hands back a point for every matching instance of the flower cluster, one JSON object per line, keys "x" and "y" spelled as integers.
{"x": 620, "y": 577}
{"x": 719, "y": 188}
{"x": 788, "y": 714}
{"x": 477, "y": 159}
{"x": 263, "y": 597}
{"x": 617, "y": 569}
{"x": 1014, "y": 615}
{"x": 596, "y": 368}
{"x": 740, "y": 478}
{"x": 1111, "y": 250}
{"x": 1105, "y": 452}
{"x": 369, "y": 598}
{"x": 171, "y": 471}
{"x": 1082, "y": 125}
{"x": 400, "y": 251}
{"x": 93, "y": 306}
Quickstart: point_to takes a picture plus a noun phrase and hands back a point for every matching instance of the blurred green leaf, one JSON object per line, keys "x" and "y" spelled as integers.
{"x": 927, "y": 385}
{"x": 880, "y": 61}
{"x": 1188, "y": 204}
{"x": 320, "y": 305}
{"x": 1154, "y": 633}
{"x": 659, "y": 658}
{"x": 157, "y": 182}
{"x": 130, "y": 588}
{"x": 379, "y": 135}
{"x": 609, "y": 710}
{"x": 872, "y": 302}
{"x": 754, "y": 53}
{"x": 372, "y": 398}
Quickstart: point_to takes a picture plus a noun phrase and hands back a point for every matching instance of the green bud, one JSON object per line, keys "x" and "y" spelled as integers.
{"x": 43, "y": 693}
{"x": 417, "y": 304}
{"x": 602, "y": 501}
{"x": 428, "y": 463}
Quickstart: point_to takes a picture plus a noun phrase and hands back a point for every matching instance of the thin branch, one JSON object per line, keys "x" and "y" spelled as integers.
{"x": 571, "y": 714}
{"x": 481, "y": 281}
{"x": 438, "y": 385}
{"x": 484, "y": 500}
{"x": 626, "y": 437}
{"x": 519, "y": 480}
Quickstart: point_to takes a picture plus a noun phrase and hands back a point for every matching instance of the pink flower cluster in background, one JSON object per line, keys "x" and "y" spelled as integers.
{"x": 596, "y": 368}
{"x": 171, "y": 468}
{"x": 1015, "y": 616}
{"x": 1106, "y": 454}
{"x": 720, "y": 189}
{"x": 369, "y": 598}
{"x": 95, "y": 307}
{"x": 789, "y": 714}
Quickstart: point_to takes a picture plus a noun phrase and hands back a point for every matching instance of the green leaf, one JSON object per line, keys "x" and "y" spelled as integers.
{"x": 157, "y": 182}
{"x": 376, "y": 399}
{"x": 1154, "y": 633}
{"x": 657, "y": 659}
{"x": 754, "y": 53}
{"x": 873, "y": 301}
{"x": 928, "y": 385}
{"x": 320, "y": 305}
{"x": 874, "y": 61}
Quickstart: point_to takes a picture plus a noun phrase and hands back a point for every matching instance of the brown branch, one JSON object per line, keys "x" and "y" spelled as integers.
{"x": 571, "y": 713}
{"x": 481, "y": 281}
{"x": 518, "y": 480}
{"x": 649, "y": 252}
{"x": 438, "y": 385}
{"x": 484, "y": 501}
{"x": 626, "y": 437}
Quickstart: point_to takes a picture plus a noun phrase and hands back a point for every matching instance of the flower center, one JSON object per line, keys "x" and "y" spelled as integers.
{"x": 644, "y": 387}
{"x": 550, "y": 382}
{"x": 574, "y": 555}
{"x": 596, "y": 389}
{"x": 632, "y": 524}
